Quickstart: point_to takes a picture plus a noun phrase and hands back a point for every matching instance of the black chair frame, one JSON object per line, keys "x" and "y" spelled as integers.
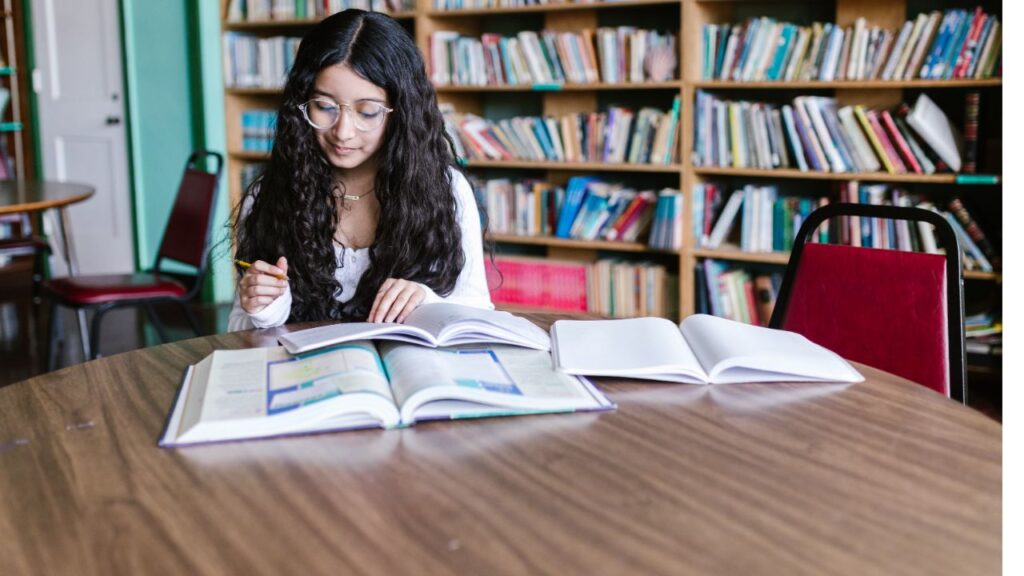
{"x": 954, "y": 275}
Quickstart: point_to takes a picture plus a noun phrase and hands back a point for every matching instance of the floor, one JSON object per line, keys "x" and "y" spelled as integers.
{"x": 23, "y": 345}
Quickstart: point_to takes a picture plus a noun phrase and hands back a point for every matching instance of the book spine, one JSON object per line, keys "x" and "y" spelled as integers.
{"x": 958, "y": 210}
{"x": 972, "y": 104}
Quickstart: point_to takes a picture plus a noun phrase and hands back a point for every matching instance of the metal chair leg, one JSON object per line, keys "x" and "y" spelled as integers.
{"x": 94, "y": 330}
{"x": 55, "y": 337}
{"x": 191, "y": 317}
{"x": 83, "y": 330}
{"x": 156, "y": 322}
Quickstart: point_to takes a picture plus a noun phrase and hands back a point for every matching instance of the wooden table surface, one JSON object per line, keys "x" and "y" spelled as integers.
{"x": 18, "y": 196}
{"x": 881, "y": 477}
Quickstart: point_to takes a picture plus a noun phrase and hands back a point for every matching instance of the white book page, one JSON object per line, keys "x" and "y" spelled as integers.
{"x": 483, "y": 378}
{"x": 321, "y": 336}
{"x": 237, "y": 384}
{"x": 634, "y": 347}
{"x": 343, "y": 370}
{"x": 457, "y": 324}
{"x": 732, "y": 351}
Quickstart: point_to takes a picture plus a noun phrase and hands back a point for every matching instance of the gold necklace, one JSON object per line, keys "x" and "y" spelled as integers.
{"x": 356, "y": 197}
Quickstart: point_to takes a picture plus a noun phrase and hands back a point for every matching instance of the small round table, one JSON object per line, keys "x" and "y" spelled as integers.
{"x": 37, "y": 196}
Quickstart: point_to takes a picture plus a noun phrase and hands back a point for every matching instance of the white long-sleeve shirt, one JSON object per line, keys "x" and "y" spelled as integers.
{"x": 470, "y": 287}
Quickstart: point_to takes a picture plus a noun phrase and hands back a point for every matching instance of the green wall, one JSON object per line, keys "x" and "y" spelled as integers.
{"x": 175, "y": 105}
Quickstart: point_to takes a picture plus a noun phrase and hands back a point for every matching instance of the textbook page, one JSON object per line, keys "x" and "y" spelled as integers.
{"x": 260, "y": 392}
{"x": 735, "y": 352}
{"x": 651, "y": 348}
{"x": 475, "y": 381}
{"x": 438, "y": 324}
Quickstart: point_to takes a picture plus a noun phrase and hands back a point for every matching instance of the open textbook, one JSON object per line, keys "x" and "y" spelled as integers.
{"x": 438, "y": 324}
{"x": 703, "y": 349}
{"x": 261, "y": 392}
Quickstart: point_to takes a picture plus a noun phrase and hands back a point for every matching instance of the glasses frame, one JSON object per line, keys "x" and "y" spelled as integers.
{"x": 304, "y": 108}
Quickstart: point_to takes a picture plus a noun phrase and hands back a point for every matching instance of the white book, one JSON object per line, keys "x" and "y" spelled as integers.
{"x": 702, "y": 349}
{"x": 934, "y": 127}
{"x": 912, "y": 41}
{"x": 725, "y": 220}
{"x": 813, "y": 110}
{"x": 861, "y": 146}
{"x": 265, "y": 392}
{"x": 794, "y": 137}
{"x": 897, "y": 50}
{"x": 923, "y": 44}
{"x": 433, "y": 325}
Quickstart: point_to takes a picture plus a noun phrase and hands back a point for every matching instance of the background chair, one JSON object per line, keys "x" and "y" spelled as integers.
{"x": 186, "y": 239}
{"x": 902, "y": 312}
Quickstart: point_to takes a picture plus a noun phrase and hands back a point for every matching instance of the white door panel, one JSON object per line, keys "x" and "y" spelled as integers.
{"x": 81, "y": 118}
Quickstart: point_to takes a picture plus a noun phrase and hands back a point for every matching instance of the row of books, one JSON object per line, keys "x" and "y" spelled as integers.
{"x": 984, "y": 334}
{"x": 814, "y": 134}
{"x": 619, "y": 135}
{"x": 613, "y": 288}
{"x": 606, "y": 54}
{"x": 758, "y": 219}
{"x": 586, "y": 208}
{"x": 957, "y": 44}
{"x": 768, "y": 222}
{"x": 263, "y": 10}
{"x": 253, "y": 62}
{"x": 258, "y": 128}
{"x": 735, "y": 293}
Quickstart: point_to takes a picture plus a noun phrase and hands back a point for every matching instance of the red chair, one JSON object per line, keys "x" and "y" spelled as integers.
{"x": 186, "y": 240}
{"x": 902, "y": 312}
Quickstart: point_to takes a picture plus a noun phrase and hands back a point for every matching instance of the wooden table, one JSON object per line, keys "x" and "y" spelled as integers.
{"x": 36, "y": 196}
{"x": 882, "y": 477}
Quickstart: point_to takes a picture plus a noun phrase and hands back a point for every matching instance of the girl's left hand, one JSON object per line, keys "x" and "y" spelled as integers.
{"x": 395, "y": 300}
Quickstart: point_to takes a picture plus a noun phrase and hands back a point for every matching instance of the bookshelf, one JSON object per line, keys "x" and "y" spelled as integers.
{"x": 685, "y": 18}
{"x": 17, "y": 149}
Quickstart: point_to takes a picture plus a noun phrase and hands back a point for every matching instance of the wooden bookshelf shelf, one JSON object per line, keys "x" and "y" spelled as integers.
{"x": 842, "y": 176}
{"x": 299, "y": 23}
{"x": 545, "y": 8}
{"x": 254, "y": 91}
{"x": 847, "y": 84}
{"x": 578, "y": 244}
{"x": 671, "y": 85}
{"x": 574, "y": 166}
{"x": 736, "y": 255}
{"x": 249, "y": 156}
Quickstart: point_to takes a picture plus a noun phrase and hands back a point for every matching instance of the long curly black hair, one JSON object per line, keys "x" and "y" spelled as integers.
{"x": 293, "y": 209}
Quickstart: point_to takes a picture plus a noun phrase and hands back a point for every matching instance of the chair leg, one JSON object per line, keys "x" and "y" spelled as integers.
{"x": 94, "y": 331}
{"x": 192, "y": 320}
{"x": 55, "y": 338}
{"x": 83, "y": 330}
{"x": 156, "y": 322}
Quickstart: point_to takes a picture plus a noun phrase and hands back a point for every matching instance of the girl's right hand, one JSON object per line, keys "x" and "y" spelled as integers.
{"x": 260, "y": 286}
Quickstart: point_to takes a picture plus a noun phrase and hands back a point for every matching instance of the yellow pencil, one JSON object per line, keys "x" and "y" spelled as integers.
{"x": 245, "y": 264}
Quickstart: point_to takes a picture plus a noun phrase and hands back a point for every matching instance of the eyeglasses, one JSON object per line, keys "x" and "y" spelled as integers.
{"x": 323, "y": 113}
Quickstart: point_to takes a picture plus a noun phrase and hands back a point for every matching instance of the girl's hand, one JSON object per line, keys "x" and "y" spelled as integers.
{"x": 395, "y": 300}
{"x": 260, "y": 285}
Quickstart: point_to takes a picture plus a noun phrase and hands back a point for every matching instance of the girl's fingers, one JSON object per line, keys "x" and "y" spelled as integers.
{"x": 404, "y": 293}
{"x": 375, "y": 310}
{"x": 414, "y": 302}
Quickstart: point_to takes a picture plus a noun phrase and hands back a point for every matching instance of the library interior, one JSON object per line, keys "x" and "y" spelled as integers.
{"x": 267, "y": 220}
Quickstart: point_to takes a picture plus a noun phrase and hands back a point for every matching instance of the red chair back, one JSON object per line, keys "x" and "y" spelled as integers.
{"x": 187, "y": 234}
{"x": 898, "y": 311}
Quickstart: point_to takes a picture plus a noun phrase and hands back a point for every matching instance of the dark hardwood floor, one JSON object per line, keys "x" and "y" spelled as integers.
{"x": 23, "y": 345}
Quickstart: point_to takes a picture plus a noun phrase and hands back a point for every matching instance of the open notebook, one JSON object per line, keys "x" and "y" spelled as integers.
{"x": 703, "y": 349}
{"x": 261, "y": 392}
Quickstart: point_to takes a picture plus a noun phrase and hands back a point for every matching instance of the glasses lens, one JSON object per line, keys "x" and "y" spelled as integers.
{"x": 321, "y": 114}
{"x": 368, "y": 115}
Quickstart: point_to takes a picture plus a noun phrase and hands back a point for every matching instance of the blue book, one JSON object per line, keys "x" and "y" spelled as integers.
{"x": 724, "y": 31}
{"x": 794, "y": 137}
{"x": 775, "y": 70}
{"x": 986, "y": 29}
{"x": 936, "y": 49}
{"x": 952, "y": 47}
{"x": 542, "y": 136}
{"x": 574, "y": 192}
{"x": 748, "y": 39}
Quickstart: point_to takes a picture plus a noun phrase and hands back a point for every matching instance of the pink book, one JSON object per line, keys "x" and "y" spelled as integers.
{"x": 901, "y": 143}
{"x": 890, "y": 150}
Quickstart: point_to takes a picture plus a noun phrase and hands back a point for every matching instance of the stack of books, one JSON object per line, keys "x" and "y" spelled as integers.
{"x": 254, "y": 62}
{"x": 815, "y": 134}
{"x": 258, "y": 128}
{"x": 984, "y": 334}
{"x": 263, "y": 10}
{"x": 620, "y": 135}
{"x": 613, "y": 288}
{"x": 612, "y": 55}
{"x": 933, "y": 46}
{"x": 586, "y": 208}
{"x": 767, "y": 221}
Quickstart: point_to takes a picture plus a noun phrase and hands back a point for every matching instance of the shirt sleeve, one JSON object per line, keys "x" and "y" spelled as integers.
{"x": 471, "y": 285}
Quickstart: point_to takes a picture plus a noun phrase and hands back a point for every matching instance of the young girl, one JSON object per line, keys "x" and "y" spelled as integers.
{"x": 359, "y": 214}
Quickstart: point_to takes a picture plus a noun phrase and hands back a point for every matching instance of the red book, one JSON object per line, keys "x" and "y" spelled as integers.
{"x": 963, "y": 60}
{"x": 901, "y": 143}
{"x": 890, "y": 150}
